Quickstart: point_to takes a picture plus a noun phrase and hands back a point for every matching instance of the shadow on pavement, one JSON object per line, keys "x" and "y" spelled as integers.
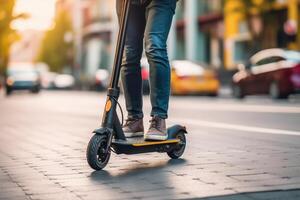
{"x": 293, "y": 194}
{"x": 136, "y": 170}
{"x": 152, "y": 176}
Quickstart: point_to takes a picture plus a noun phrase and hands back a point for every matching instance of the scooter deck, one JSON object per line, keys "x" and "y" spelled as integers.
{"x": 139, "y": 145}
{"x": 140, "y": 141}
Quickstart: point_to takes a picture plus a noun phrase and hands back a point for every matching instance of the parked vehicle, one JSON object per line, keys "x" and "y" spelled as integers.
{"x": 192, "y": 78}
{"x": 47, "y": 80}
{"x": 273, "y": 71}
{"x": 22, "y": 76}
{"x": 47, "y": 77}
{"x": 101, "y": 79}
{"x": 64, "y": 81}
{"x": 145, "y": 75}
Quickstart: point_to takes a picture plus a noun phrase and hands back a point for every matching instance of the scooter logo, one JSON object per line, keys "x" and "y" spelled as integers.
{"x": 108, "y": 105}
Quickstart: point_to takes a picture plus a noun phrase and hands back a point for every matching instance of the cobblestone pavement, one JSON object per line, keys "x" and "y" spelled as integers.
{"x": 232, "y": 152}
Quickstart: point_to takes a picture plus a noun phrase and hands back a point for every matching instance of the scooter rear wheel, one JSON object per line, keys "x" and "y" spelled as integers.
{"x": 179, "y": 150}
{"x": 96, "y": 156}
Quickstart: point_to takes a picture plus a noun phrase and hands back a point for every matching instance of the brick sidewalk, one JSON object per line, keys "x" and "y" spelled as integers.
{"x": 42, "y": 156}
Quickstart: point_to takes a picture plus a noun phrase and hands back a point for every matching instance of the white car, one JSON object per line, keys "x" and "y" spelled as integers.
{"x": 64, "y": 81}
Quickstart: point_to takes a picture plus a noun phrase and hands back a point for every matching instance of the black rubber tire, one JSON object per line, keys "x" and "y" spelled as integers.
{"x": 275, "y": 92}
{"x": 35, "y": 90}
{"x": 237, "y": 92}
{"x": 8, "y": 91}
{"x": 213, "y": 94}
{"x": 94, "y": 154}
{"x": 178, "y": 152}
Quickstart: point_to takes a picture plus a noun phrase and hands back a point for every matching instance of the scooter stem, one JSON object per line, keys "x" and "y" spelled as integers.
{"x": 110, "y": 119}
{"x": 120, "y": 44}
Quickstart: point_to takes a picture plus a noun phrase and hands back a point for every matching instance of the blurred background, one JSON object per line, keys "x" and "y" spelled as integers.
{"x": 56, "y": 57}
{"x": 247, "y": 46}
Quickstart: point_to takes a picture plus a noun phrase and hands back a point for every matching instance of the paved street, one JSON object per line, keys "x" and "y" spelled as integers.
{"x": 240, "y": 150}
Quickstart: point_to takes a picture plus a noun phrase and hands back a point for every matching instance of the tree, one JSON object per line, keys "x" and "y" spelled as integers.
{"x": 56, "y": 48}
{"x": 7, "y": 35}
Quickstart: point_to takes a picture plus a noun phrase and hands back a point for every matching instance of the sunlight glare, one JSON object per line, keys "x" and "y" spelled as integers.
{"x": 41, "y": 14}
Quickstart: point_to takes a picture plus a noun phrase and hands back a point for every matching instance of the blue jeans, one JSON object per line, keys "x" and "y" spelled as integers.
{"x": 149, "y": 22}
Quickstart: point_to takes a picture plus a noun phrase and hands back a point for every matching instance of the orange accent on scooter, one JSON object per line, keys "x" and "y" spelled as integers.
{"x": 108, "y": 105}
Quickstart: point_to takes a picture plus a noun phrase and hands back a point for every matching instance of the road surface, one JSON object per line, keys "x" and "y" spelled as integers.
{"x": 246, "y": 149}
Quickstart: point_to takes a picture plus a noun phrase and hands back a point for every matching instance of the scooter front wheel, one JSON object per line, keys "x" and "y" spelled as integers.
{"x": 96, "y": 154}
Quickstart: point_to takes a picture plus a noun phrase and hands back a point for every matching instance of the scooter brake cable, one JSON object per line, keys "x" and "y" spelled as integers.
{"x": 120, "y": 110}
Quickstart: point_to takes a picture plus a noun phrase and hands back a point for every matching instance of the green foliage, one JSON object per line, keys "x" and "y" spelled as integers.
{"x": 55, "y": 50}
{"x": 7, "y": 35}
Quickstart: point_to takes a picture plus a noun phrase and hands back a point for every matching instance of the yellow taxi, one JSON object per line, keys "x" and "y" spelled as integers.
{"x": 191, "y": 78}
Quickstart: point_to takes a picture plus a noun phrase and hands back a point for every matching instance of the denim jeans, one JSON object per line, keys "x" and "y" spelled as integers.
{"x": 149, "y": 22}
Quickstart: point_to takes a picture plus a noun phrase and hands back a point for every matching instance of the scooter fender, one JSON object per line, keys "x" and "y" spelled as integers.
{"x": 175, "y": 129}
{"x": 103, "y": 131}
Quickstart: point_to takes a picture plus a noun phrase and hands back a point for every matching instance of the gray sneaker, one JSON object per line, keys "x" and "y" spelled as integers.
{"x": 157, "y": 129}
{"x": 133, "y": 128}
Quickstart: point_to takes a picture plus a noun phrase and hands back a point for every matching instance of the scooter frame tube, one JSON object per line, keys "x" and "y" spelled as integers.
{"x": 110, "y": 118}
{"x": 120, "y": 44}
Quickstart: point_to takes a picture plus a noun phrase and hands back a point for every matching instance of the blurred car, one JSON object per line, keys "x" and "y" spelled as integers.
{"x": 101, "y": 79}
{"x": 272, "y": 71}
{"x": 47, "y": 77}
{"x": 47, "y": 80}
{"x": 63, "y": 81}
{"x": 190, "y": 78}
{"x": 145, "y": 75}
{"x": 22, "y": 76}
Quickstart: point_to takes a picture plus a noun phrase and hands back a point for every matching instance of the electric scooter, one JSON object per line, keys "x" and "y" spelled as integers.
{"x": 110, "y": 137}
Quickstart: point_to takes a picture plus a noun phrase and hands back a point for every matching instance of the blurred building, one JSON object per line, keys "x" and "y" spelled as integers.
{"x": 276, "y": 25}
{"x": 26, "y": 49}
{"x": 197, "y": 32}
{"x": 99, "y": 31}
{"x": 75, "y": 9}
{"x": 216, "y": 32}
{"x": 94, "y": 27}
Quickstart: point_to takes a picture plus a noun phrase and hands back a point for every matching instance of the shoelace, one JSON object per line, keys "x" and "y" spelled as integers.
{"x": 128, "y": 121}
{"x": 154, "y": 123}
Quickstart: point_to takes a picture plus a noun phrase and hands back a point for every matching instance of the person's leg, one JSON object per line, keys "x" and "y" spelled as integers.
{"x": 131, "y": 67}
{"x": 159, "y": 14}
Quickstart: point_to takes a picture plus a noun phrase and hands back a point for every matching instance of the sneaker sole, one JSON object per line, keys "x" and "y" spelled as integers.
{"x": 130, "y": 135}
{"x": 156, "y": 137}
